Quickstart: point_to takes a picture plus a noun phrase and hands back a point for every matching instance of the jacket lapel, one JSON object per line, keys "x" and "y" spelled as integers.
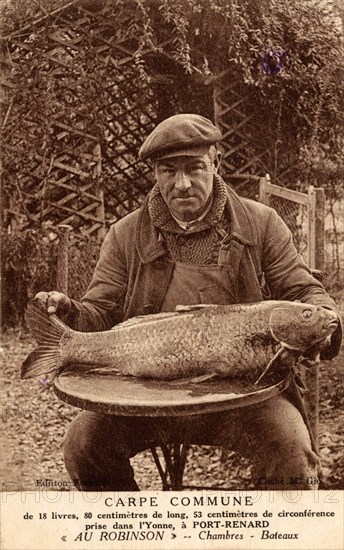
{"x": 235, "y": 251}
{"x": 242, "y": 228}
{"x": 147, "y": 236}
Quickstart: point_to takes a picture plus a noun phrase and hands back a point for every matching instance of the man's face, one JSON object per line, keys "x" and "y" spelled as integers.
{"x": 186, "y": 184}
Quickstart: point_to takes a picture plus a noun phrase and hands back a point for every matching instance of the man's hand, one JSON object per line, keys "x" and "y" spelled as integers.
{"x": 55, "y": 302}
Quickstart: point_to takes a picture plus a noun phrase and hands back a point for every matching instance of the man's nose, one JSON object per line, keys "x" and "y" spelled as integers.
{"x": 182, "y": 181}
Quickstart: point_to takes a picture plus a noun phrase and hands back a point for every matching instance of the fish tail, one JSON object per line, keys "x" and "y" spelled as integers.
{"x": 48, "y": 331}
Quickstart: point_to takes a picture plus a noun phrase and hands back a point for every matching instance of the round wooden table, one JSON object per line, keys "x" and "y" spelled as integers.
{"x": 112, "y": 393}
{"x": 130, "y": 396}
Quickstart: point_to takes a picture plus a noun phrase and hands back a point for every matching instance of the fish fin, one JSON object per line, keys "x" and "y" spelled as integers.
{"x": 47, "y": 330}
{"x": 150, "y": 318}
{"x": 194, "y": 380}
{"x": 103, "y": 370}
{"x": 40, "y": 361}
{"x": 270, "y": 363}
{"x": 153, "y": 317}
{"x": 203, "y": 378}
{"x": 180, "y": 308}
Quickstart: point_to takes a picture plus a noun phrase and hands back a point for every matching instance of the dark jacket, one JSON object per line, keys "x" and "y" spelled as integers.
{"x": 133, "y": 271}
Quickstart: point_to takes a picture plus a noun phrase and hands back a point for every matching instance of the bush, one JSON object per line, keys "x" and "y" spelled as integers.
{"x": 29, "y": 259}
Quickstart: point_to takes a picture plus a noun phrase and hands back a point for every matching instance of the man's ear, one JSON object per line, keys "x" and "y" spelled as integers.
{"x": 217, "y": 160}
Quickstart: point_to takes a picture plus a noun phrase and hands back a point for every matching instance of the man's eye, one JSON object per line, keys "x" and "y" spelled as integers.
{"x": 195, "y": 168}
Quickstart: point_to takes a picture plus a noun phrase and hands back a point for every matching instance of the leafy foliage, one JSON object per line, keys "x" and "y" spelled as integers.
{"x": 305, "y": 101}
{"x": 28, "y": 265}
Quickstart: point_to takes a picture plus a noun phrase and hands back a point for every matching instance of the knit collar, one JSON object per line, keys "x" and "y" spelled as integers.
{"x": 162, "y": 218}
{"x": 187, "y": 226}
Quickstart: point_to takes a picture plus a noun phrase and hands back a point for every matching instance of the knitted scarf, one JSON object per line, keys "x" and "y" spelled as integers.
{"x": 199, "y": 245}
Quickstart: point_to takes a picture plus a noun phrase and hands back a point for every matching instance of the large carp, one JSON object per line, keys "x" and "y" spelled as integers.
{"x": 228, "y": 340}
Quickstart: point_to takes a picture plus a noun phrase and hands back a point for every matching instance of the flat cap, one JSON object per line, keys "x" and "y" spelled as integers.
{"x": 179, "y": 135}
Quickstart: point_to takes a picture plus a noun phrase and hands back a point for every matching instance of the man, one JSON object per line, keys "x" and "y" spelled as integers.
{"x": 192, "y": 241}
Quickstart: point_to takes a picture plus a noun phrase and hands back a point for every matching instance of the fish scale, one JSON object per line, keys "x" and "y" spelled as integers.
{"x": 230, "y": 340}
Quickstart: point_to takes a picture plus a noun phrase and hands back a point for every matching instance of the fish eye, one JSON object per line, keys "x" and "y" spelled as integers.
{"x": 307, "y": 313}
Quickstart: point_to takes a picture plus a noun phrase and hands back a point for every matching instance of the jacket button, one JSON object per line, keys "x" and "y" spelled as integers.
{"x": 181, "y": 239}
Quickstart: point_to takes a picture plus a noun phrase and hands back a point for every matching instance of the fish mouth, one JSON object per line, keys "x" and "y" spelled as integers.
{"x": 332, "y": 324}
